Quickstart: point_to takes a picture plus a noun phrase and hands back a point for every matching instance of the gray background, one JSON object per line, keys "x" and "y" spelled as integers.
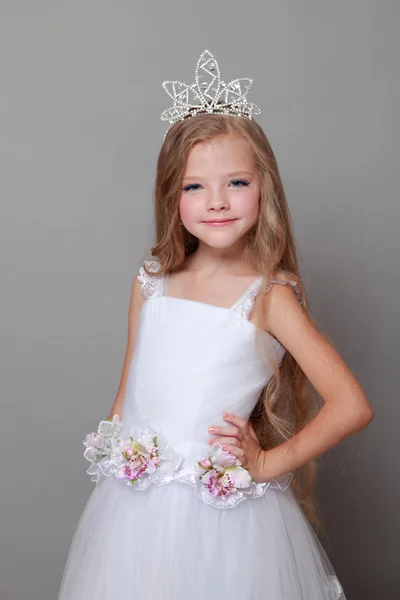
{"x": 80, "y": 131}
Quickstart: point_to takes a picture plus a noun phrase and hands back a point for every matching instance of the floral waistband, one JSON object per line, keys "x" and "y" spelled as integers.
{"x": 145, "y": 457}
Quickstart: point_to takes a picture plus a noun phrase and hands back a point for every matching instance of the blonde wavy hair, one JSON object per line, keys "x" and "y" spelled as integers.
{"x": 287, "y": 403}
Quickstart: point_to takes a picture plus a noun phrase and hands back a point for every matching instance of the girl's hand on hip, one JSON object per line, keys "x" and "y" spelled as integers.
{"x": 240, "y": 439}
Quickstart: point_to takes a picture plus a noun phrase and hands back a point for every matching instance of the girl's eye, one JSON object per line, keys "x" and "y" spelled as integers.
{"x": 191, "y": 187}
{"x": 239, "y": 183}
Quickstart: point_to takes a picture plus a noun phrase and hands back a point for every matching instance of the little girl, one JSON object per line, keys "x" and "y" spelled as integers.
{"x": 205, "y": 465}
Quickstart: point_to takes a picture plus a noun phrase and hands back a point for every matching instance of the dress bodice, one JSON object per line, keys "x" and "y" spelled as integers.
{"x": 193, "y": 361}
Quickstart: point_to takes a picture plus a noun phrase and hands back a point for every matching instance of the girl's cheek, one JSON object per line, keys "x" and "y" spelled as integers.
{"x": 188, "y": 210}
{"x": 249, "y": 204}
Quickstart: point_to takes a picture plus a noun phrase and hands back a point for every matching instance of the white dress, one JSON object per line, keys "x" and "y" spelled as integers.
{"x": 169, "y": 537}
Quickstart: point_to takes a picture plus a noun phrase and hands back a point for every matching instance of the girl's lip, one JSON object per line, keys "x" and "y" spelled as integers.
{"x": 219, "y": 222}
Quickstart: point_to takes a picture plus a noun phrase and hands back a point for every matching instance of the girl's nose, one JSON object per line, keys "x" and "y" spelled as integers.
{"x": 217, "y": 200}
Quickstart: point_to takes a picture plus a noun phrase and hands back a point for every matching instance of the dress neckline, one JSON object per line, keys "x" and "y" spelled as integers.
{"x": 258, "y": 280}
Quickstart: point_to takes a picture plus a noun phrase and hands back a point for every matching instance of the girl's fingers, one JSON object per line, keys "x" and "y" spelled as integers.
{"x": 226, "y": 430}
{"x": 225, "y": 440}
{"x": 241, "y": 455}
{"x": 240, "y": 423}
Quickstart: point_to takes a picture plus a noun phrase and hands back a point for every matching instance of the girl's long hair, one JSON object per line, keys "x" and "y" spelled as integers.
{"x": 287, "y": 403}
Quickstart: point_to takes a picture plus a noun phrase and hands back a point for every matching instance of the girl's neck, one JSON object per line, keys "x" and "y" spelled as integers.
{"x": 217, "y": 261}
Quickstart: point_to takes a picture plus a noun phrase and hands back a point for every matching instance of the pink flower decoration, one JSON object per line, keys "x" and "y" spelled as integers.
{"x": 136, "y": 457}
{"x": 205, "y": 463}
{"x": 93, "y": 439}
{"x": 222, "y": 473}
{"x": 141, "y": 458}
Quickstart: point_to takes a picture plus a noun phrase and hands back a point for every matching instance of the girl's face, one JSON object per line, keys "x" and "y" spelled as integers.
{"x": 221, "y": 184}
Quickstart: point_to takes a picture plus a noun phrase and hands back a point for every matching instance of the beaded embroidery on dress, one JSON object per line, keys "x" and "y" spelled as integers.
{"x": 170, "y": 517}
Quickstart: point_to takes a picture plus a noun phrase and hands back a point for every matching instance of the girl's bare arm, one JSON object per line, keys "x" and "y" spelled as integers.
{"x": 135, "y": 303}
{"x": 346, "y": 409}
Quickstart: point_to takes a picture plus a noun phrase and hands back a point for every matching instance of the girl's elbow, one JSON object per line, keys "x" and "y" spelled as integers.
{"x": 363, "y": 417}
{"x": 368, "y": 416}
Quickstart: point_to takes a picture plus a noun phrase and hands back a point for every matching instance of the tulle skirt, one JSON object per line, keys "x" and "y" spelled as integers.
{"x": 166, "y": 543}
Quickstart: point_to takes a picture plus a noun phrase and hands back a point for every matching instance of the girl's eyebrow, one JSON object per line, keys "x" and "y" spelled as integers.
{"x": 235, "y": 173}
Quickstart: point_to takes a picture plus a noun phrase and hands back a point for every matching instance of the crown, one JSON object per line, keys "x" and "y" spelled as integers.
{"x": 209, "y": 94}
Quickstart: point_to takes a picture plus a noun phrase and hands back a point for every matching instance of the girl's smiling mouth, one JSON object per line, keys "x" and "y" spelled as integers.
{"x": 219, "y": 222}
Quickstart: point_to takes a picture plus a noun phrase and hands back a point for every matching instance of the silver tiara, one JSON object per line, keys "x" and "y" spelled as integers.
{"x": 209, "y": 94}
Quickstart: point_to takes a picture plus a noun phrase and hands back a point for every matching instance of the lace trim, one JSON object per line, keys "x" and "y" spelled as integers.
{"x": 145, "y": 457}
{"x": 295, "y": 286}
{"x": 152, "y": 285}
{"x": 245, "y": 304}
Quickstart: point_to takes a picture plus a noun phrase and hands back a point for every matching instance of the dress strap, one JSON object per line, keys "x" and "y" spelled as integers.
{"x": 245, "y": 303}
{"x": 294, "y": 285}
{"x": 152, "y": 285}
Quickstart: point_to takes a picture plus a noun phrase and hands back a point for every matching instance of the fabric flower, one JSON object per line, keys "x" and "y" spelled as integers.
{"x": 99, "y": 447}
{"x": 222, "y": 473}
{"x": 139, "y": 459}
{"x": 240, "y": 477}
{"x": 205, "y": 463}
{"x": 136, "y": 457}
{"x": 93, "y": 439}
{"x": 224, "y": 459}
